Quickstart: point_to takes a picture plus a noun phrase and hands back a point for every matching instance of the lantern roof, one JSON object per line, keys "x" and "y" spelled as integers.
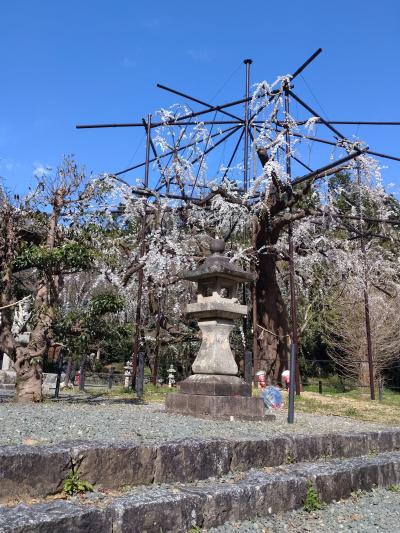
{"x": 217, "y": 265}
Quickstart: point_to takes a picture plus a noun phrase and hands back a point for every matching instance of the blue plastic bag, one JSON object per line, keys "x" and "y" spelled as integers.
{"x": 272, "y": 397}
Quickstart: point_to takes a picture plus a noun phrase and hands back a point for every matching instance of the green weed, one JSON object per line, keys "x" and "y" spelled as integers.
{"x": 312, "y": 501}
{"x": 74, "y": 485}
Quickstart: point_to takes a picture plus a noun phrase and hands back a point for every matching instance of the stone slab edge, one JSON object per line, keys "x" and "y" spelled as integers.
{"x": 39, "y": 471}
{"x": 178, "y": 509}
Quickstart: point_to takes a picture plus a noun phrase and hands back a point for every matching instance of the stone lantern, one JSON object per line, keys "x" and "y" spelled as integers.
{"x": 215, "y": 389}
{"x": 171, "y": 376}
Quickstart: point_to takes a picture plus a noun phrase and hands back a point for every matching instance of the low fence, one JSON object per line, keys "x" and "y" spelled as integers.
{"x": 96, "y": 380}
{"x": 325, "y": 387}
{"x": 108, "y": 380}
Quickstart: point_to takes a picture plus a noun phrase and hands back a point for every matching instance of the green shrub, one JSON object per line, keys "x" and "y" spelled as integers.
{"x": 74, "y": 485}
{"x": 312, "y": 501}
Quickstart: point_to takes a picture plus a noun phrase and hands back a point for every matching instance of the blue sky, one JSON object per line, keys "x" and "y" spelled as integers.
{"x": 91, "y": 61}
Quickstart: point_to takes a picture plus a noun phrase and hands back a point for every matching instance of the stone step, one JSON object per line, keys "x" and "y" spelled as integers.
{"x": 39, "y": 471}
{"x": 206, "y": 504}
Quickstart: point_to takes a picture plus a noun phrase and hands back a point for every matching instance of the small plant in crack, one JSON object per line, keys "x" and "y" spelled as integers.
{"x": 73, "y": 484}
{"x": 312, "y": 501}
{"x": 289, "y": 459}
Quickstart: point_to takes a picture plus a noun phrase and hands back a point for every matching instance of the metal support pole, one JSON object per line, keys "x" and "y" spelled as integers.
{"x": 256, "y": 362}
{"x": 140, "y": 376}
{"x": 366, "y": 298}
{"x": 292, "y": 384}
{"x": 255, "y": 326}
{"x": 59, "y": 372}
{"x": 295, "y": 336}
{"x": 154, "y": 374}
{"x": 142, "y": 251}
{"x": 110, "y": 377}
{"x": 369, "y": 345}
{"x": 247, "y": 62}
{"x": 320, "y": 387}
{"x": 295, "y": 376}
{"x": 82, "y": 370}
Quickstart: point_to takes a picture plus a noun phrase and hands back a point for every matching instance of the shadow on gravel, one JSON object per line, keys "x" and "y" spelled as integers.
{"x": 8, "y": 397}
{"x": 94, "y": 399}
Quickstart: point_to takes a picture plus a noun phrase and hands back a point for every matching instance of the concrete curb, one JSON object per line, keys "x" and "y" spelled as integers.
{"x": 27, "y": 471}
{"x": 208, "y": 504}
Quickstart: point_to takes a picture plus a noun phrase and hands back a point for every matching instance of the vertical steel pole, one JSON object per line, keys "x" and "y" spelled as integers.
{"x": 366, "y": 298}
{"x": 293, "y": 303}
{"x": 292, "y": 383}
{"x": 110, "y": 377}
{"x": 59, "y": 372}
{"x": 82, "y": 370}
{"x": 254, "y": 283}
{"x": 148, "y": 144}
{"x": 154, "y": 374}
{"x": 142, "y": 250}
{"x": 140, "y": 376}
{"x": 247, "y": 62}
{"x": 255, "y": 326}
{"x": 369, "y": 342}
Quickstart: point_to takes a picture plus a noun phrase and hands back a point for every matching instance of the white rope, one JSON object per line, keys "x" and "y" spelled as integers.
{"x": 15, "y": 303}
{"x": 272, "y": 333}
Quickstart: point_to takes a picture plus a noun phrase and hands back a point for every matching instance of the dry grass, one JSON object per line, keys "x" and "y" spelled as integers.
{"x": 358, "y": 408}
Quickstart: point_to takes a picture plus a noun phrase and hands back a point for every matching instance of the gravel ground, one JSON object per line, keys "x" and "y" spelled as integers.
{"x": 113, "y": 421}
{"x": 378, "y": 510}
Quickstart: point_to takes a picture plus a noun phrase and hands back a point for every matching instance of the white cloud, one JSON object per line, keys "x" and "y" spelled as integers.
{"x": 40, "y": 170}
{"x": 8, "y": 164}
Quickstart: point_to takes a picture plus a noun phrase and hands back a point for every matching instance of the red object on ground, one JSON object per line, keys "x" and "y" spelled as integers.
{"x": 261, "y": 379}
{"x": 286, "y": 378}
{"x": 78, "y": 378}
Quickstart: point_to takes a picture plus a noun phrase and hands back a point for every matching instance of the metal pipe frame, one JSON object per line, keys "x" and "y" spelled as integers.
{"x": 237, "y": 123}
{"x": 292, "y": 279}
{"x": 331, "y": 143}
{"x": 366, "y": 298}
{"x": 172, "y": 152}
{"x": 142, "y": 251}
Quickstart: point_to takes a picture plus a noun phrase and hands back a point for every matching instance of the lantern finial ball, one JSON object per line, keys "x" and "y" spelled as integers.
{"x": 217, "y": 246}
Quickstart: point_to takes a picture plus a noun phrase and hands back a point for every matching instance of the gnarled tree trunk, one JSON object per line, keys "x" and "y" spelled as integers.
{"x": 29, "y": 377}
{"x": 272, "y": 321}
{"x": 29, "y": 359}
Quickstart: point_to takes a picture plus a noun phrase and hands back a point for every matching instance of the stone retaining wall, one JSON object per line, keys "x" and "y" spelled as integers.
{"x": 39, "y": 471}
{"x": 208, "y": 504}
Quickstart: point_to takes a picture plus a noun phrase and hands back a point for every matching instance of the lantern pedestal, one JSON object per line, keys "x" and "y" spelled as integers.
{"x": 214, "y": 390}
{"x": 224, "y": 407}
{"x": 215, "y": 385}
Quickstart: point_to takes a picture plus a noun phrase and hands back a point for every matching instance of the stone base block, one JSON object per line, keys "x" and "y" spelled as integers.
{"x": 240, "y": 407}
{"x": 7, "y": 377}
{"x": 215, "y": 385}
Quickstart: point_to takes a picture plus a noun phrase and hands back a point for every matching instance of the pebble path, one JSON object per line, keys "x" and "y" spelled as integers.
{"x": 119, "y": 421}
